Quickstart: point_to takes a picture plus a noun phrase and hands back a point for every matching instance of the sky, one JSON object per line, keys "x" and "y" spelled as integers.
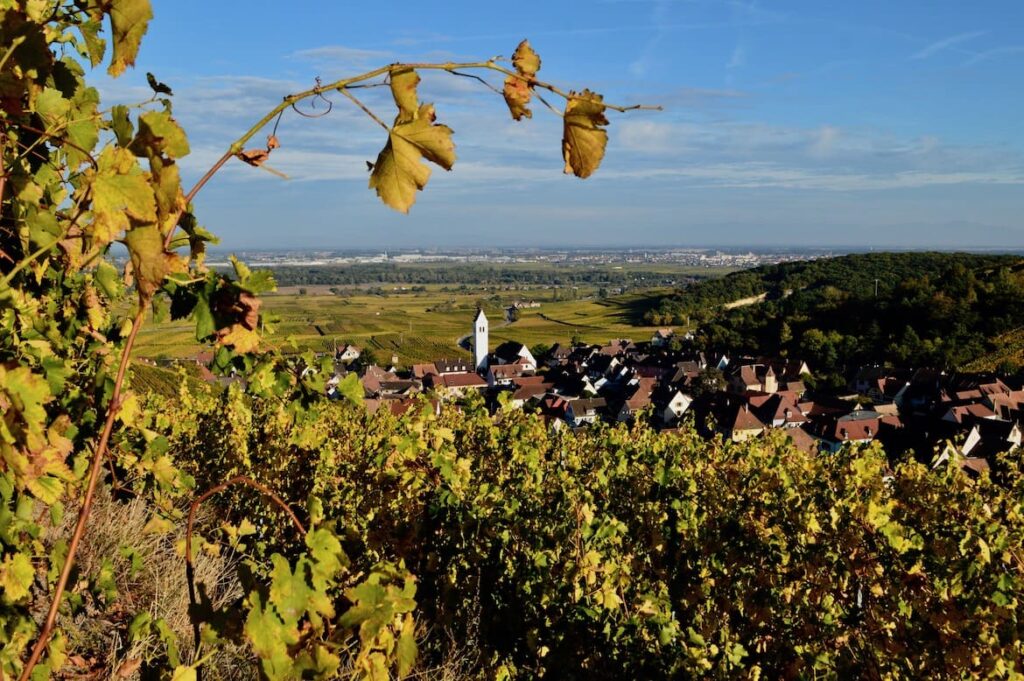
{"x": 876, "y": 123}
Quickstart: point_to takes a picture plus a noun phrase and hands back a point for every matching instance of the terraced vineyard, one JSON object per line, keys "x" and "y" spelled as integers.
{"x": 425, "y": 325}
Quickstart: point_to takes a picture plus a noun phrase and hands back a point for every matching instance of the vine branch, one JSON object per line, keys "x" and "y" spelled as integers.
{"x": 189, "y": 566}
{"x": 99, "y": 455}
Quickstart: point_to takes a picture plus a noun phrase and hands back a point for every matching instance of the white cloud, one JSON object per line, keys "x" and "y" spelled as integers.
{"x": 993, "y": 53}
{"x": 946, "y": 43}
{"x": 738, "y": 57}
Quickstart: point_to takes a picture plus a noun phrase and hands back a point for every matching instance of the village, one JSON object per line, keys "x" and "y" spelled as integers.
{"x": 968, "y": 418}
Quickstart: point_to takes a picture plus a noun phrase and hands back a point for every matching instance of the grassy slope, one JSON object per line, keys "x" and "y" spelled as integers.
{"x": 409, "y": 325}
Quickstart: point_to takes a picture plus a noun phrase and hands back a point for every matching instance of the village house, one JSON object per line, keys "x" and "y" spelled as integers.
{"x": 504, "y": 374}
{"x": 511, "y": 352}
{"x": 662, "y": 337}
{"x": 857, "y": 427}
{"x": 584, "y": 412}
{"x": 347, "y": 353}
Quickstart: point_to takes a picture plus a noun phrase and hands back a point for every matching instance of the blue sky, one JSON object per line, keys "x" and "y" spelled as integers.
{"x": 896, "y": 123}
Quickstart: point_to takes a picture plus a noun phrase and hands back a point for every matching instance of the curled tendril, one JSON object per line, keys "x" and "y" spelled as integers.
{"x": 318, "y": 95}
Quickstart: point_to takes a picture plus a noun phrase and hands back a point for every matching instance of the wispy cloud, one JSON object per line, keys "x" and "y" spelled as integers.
{"x": 993, "y": 53}
{"x": 946, "y": 43}
{"x": 640, "y": 66}
{"x": 738, "y": 57}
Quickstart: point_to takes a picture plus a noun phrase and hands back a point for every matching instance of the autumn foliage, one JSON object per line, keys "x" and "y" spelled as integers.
{"x": 316, "y": 541}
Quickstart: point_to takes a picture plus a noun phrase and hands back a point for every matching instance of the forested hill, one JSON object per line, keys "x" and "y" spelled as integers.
{"x": 940, "y": 309}
{"x": 854, "y": 274}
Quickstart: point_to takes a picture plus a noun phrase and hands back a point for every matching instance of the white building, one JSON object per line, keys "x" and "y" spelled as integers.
{"x": 480, "y": 340}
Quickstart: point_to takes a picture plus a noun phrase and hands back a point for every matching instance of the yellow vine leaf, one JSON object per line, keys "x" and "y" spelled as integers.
{"x": 519, "y": 92}
{"x": 583, "y": 137}
{"x": 526, "y": 61}
{"x": 129, "y": 20}
{"x": 16, "y": 575}
{"x": 243, "y": 340}
{"x": 150, "y": 262}
{"x": 403, "y": 89}
{"x": 121, "y": 193}
{"x": 399, "y": 171}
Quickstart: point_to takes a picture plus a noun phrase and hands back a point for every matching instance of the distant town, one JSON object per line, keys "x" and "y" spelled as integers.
{"x": 691, "y": 257}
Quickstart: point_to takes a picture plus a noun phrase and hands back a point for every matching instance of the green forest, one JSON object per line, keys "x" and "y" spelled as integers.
{"x": 470, "y": 274}
{"x": 909, "y": 309}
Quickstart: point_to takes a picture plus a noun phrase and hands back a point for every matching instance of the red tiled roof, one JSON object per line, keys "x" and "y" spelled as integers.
{"x": 466, "y": 380}
{"x": 746, "y": 420}
{"x": 422, "y": 370}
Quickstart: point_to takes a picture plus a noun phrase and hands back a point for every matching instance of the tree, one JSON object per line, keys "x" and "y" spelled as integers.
{"x": 709, "y": 381}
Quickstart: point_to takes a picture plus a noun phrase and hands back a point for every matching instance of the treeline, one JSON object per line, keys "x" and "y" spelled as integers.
{"x": 467, "y": 273}
{"x": 857, "y": 274}
{"x": 944, "y": 311}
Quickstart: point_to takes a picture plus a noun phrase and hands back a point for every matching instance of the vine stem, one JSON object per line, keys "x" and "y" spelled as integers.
{"x": 190, "y": 575}
{"x": 90, "y": 493}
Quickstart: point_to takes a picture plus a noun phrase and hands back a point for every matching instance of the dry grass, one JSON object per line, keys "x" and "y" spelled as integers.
{"x": 97, "y": 635}
{"x": 98, "y": 645}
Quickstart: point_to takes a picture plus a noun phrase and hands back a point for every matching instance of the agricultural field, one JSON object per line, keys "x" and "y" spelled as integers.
{"x": 426, "y": 324}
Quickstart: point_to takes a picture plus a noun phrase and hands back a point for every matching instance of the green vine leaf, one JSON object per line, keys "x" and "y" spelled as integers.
{"x": 16, "y": 575}
{"x": 121, "y": 194}
{"x": 159, "y": 133}
{"x": 149, "y": 259}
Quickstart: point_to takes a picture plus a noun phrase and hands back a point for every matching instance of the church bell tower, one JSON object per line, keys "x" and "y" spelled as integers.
{"x": 480, "y": 340}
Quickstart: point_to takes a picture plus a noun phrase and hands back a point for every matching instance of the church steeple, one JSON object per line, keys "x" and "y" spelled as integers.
{"x": 480, "y": 340}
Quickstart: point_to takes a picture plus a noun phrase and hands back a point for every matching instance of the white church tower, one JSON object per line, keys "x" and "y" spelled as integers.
{"x": 480, "y": 340}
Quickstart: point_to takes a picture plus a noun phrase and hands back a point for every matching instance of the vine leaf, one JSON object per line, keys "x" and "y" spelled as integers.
{"x": 584, "y": 138}
{"x": 403, "y": 89}
{"x": 16, "y": 575}
{"x": 121, "y": 194}
{"x": 158, "y": 87}
{"x": 151, "y": 263}
{"x": 399, "y": 171}
{"x": 254, "y": 157}
{"x": 129, "y": 20}
{"x": 526, "y": 61}
{"x": 159, "y": 132}
{"x": 519, "y": 92}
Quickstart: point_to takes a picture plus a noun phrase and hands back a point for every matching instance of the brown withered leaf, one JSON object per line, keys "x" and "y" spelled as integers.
{"x": 237, "y": 307}
{"x": 517, "y": 91}
{"x": 518, "y": 95}
{"x": 129, "y": 667}
{"x": 254, "y": 157}
{"x": 272, "y": 142}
